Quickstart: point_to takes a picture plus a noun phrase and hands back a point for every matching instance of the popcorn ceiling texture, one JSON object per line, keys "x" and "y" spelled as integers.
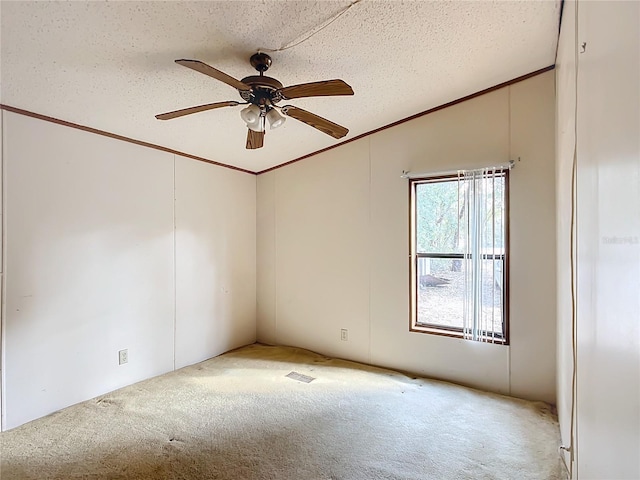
{"x": 110, "y": 65}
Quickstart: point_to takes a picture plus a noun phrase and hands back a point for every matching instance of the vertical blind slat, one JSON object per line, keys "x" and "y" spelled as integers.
{"x": 479, "y": 231}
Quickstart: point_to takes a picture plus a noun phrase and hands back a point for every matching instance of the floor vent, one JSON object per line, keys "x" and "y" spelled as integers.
{"x": 300, "y": 377}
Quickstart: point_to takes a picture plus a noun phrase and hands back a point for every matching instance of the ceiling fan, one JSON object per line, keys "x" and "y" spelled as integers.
{"x": 261, "y": 94}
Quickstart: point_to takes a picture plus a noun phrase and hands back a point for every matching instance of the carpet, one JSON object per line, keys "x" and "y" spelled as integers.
{"x": 238, "y": 416}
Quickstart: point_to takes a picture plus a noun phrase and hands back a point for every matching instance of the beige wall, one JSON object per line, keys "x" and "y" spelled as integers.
{"x": 333, "y": 243}
{"x": 607, "y": 409}
{"x": 99, "y": 257}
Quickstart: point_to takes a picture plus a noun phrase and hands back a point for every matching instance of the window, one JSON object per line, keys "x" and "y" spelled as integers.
{"x": 459, "y": 267}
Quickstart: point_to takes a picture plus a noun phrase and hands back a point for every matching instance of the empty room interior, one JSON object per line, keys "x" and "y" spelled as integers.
{"x": 338, "y": 239}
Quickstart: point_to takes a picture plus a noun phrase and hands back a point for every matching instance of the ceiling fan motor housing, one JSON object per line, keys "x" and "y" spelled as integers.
{"x": 264, "y": 90}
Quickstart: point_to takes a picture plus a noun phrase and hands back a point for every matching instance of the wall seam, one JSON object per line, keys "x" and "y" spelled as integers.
{"x": 3, "y": 296}
{"x": 256, "y": 314}
{"x": 509, "y": 89}
{"x": 369, "y": 260}
{"x": 175, "y": 289}
{"x": 275, "y": 260}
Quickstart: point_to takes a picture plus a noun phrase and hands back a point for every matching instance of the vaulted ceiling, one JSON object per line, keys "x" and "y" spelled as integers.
{"x": 110, "y": 65}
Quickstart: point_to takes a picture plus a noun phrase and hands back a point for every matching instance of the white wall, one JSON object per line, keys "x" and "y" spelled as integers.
{"x": 215, "y": 260}
{"x": 608, "y": 236}
{"x": 94, "y": 264}
{"x": 333, "y": 243}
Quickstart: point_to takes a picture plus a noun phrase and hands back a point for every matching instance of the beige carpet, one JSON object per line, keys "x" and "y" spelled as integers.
{"x": 238, "y": 416}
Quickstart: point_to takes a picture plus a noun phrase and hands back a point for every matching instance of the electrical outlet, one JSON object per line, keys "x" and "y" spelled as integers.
{"x": 344, "y": 335}
{"x": 123, "y": 356}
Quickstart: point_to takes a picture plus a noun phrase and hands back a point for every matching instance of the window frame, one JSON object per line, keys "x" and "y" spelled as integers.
{"x": 445, "y": 330}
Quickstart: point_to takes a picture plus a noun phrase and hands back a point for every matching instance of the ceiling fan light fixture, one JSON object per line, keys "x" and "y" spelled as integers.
{"x": 275, "y": 119}
{"x": 257, "y": 126}
{"x": 260, "y": 93}
{"x": 251, "y": 115}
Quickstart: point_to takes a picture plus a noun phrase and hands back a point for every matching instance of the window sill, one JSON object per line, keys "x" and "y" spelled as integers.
{"x": 451, "y": 333}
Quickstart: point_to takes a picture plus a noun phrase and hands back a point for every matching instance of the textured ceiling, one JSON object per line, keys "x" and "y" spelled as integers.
{"x": 110, "y": 65}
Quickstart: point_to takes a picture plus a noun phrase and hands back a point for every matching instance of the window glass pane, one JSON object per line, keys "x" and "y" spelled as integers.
{"x": 440, "y": 292}
{"x": 437, "y": 213}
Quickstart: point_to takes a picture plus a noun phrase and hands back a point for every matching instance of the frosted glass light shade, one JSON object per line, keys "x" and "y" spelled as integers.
{"x": 258, "y": 126}
{"x": 275, "y": 119}
{"x": 250, "y": 115}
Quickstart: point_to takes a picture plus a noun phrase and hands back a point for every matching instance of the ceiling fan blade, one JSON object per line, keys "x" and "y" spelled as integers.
{"x": 316, "y": 89}
{"x": 322, "y": 124}
{"x": 198, "y": 66}
{"x": 199, "y": 108}
{"x": 254, "y": 139}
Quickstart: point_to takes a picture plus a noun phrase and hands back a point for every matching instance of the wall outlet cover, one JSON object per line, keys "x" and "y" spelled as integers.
{"x": 123, "y": 356}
